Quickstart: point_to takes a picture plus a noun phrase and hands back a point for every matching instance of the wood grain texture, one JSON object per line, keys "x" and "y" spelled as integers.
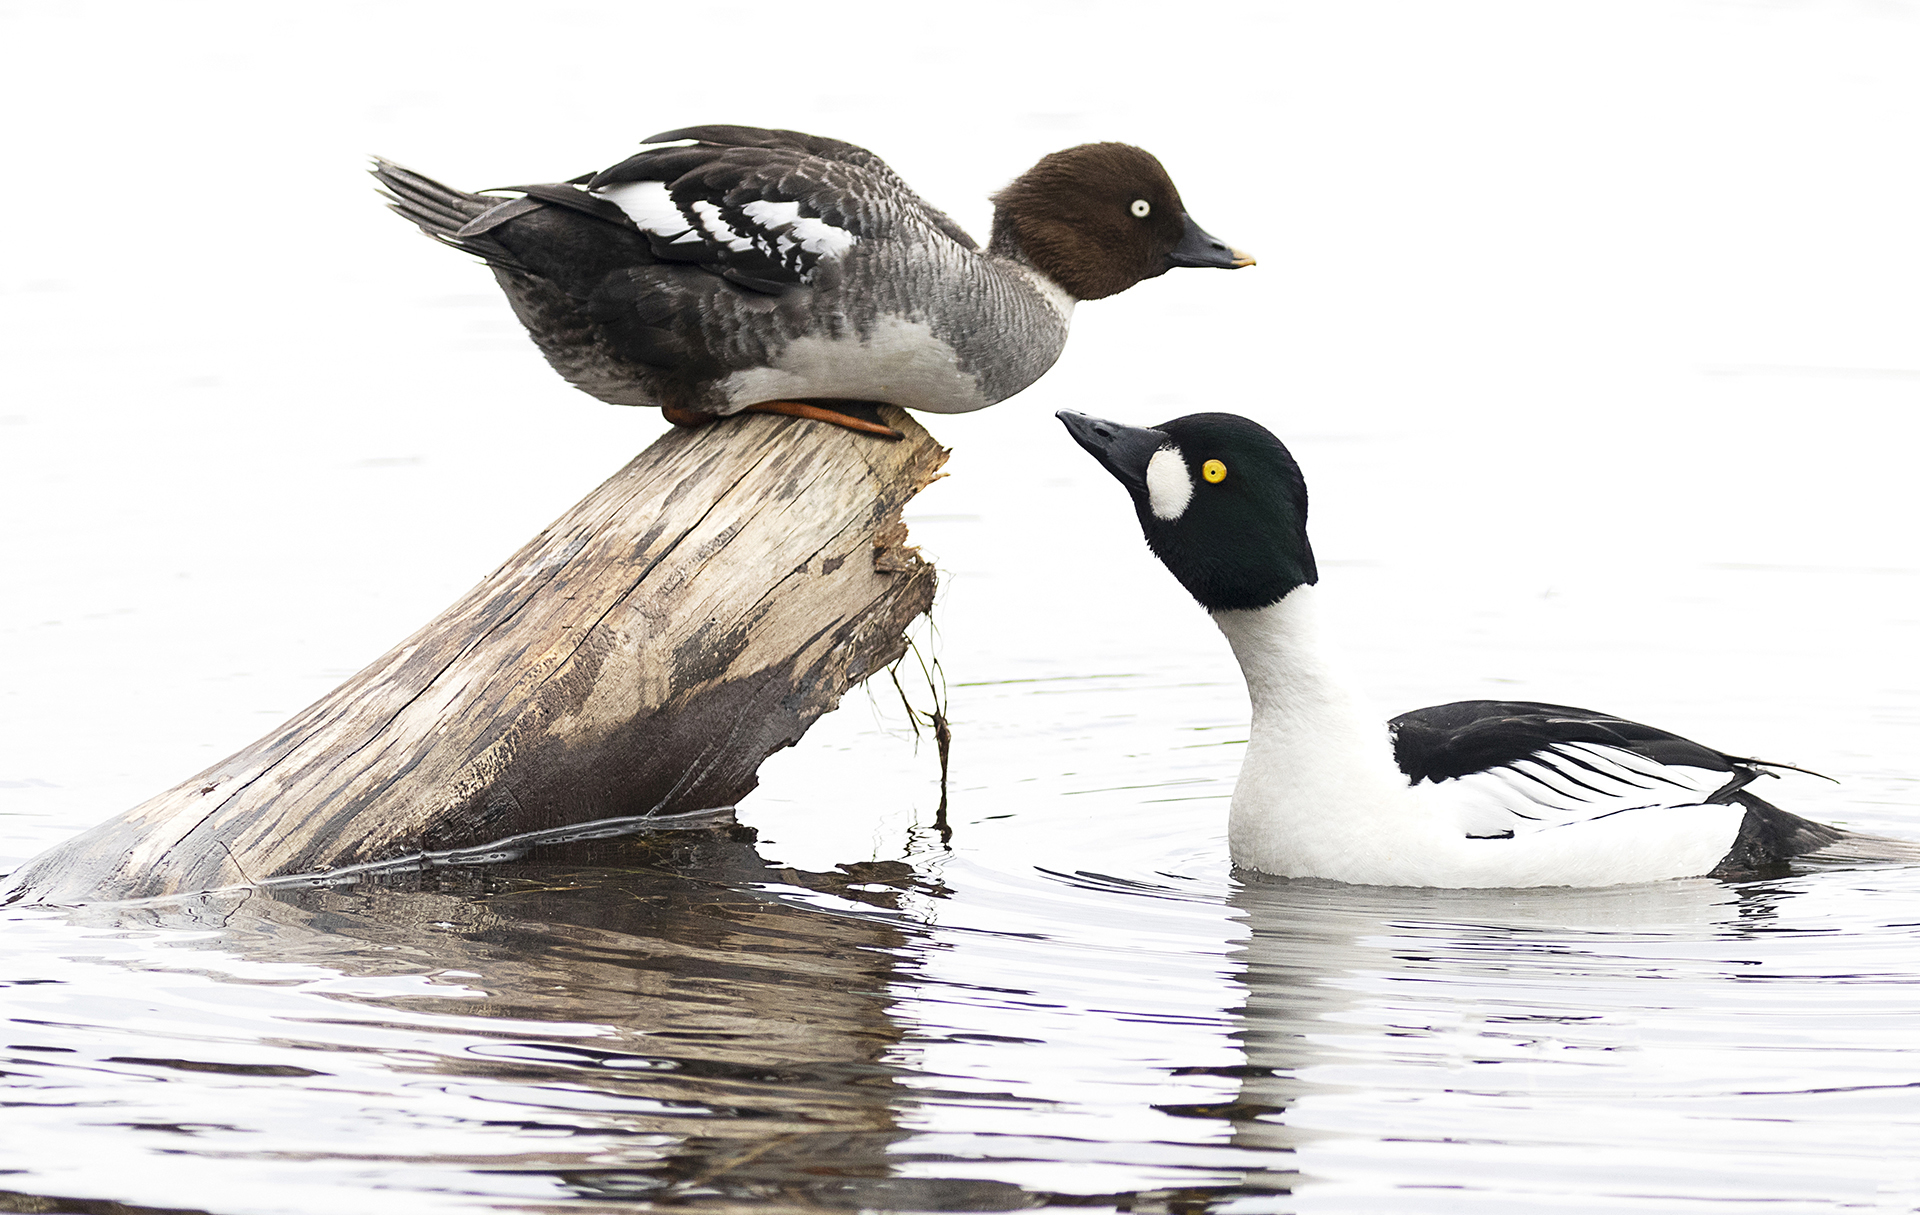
{"x": 642, "y": 655}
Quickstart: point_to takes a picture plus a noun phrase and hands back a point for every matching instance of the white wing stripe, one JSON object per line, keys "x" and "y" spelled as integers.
{"x": 649, "y": 206}
{"x": 1596, "y": 767}
{"x": 1518, "y": 784}
{"x": 1702, "y": 781}
{"x": 775, "y": 228}
{"x": 1535, "y": 766}
{"x": 819, "y": 236}
{"x": 1601, "y": 765}
{"x": 709, "y": 218}
{"x": 1565, "y": 784}
{"x": 1615, "y": 757}
{"x": 815, "y": 236}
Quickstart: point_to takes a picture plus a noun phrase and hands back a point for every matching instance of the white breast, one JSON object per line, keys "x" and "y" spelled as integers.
{"x": 901, "y": 363}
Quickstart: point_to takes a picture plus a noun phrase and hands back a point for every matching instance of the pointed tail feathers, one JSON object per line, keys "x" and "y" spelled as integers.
{"x": 1854, "y": 848}
{"x": 441, "y": 211}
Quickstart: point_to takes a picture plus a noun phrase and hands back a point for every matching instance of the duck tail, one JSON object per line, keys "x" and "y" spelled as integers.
{"x": 444, "y": 213}
{"x": 1770, "y": 837}
{"x": 1856, "y": 848}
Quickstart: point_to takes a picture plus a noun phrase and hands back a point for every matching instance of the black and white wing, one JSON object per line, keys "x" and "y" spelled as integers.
{"x": 1508, "y": 768}
{"x": 671, "y": 257}
{"x": 761, "y": 209}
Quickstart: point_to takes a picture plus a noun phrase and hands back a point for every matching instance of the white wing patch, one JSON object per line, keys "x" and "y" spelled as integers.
{"x": 774, "y": 229}
{"x": 1169, "y": 484}
{"x": 650, "y": 207}
{"x": 1566, "y": 783}
{"x": 790, "y": 228}
{"x": 722, "y": 233}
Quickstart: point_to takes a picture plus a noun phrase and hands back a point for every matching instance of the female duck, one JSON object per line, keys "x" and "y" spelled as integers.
{"x": 1476, "y": 793}
{"x": 747, "y": 269}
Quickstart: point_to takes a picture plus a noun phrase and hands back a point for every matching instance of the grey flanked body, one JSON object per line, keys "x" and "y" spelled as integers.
{"x": 930, "y": 325}
{"x": 751, "y": 266}
{"x": 933, "y": 327}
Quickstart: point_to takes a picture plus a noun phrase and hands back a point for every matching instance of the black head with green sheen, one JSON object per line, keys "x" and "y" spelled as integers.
{"x": 1220, "y": 499}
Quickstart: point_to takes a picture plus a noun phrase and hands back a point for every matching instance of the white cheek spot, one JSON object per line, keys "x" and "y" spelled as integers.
{"x": 1169, "y": 484}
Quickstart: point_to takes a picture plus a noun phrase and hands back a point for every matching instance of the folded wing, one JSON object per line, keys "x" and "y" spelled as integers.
{"x": 1510, "y": 768}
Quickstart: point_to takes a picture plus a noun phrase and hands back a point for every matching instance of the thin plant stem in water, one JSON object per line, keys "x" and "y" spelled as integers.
{"x": 935, "y": 719}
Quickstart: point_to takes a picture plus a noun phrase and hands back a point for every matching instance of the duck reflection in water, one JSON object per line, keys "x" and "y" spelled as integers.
{"x": 1397, "y": 1038}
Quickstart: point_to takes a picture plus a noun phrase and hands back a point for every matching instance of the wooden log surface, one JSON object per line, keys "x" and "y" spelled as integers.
{"x": 641, "y": 656}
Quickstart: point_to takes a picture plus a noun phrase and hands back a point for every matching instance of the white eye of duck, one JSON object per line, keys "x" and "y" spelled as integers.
{"x": 1141, "y": 208}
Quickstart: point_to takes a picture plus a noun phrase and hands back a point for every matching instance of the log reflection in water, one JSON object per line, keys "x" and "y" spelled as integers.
{"x": 680, "y": 1030}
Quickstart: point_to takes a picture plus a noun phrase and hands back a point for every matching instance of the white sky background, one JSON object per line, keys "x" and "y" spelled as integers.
{"x": 1596, "y": 327}
{"x": 1553, "y": 299}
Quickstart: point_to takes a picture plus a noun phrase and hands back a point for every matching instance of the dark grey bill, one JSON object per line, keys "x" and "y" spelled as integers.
{"x": 1196, "y": 248}
{"x": 1121, "y": 449}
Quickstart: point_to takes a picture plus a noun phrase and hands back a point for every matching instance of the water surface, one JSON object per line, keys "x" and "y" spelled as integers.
{"x": 676, "y": 1019}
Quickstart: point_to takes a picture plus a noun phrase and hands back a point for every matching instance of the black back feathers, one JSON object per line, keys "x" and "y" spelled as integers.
{"x": 1453, "y": 740}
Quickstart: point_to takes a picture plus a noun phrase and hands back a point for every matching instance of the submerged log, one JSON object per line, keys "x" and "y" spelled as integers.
{"x": 640, "y": 657}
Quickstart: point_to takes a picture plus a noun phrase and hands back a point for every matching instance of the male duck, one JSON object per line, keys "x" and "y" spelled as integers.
{"x": 1476, "y": 793}
{"x": 748, "y": 269}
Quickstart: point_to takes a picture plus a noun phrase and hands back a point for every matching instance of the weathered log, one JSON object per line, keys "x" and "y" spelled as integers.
{"x": 641, "y": 656}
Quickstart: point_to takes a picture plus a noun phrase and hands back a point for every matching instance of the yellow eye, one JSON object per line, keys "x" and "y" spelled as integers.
{"x": 1214, "y": 471}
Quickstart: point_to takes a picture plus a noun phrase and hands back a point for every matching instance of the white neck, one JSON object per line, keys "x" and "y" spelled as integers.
{"x": 1319, "y": 794}
{"x": 1057, "y": 297}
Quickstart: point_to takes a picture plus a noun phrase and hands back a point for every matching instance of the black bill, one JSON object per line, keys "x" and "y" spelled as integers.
{"x": 1121, "y": 449}
{"x": 1196, "y": 248}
